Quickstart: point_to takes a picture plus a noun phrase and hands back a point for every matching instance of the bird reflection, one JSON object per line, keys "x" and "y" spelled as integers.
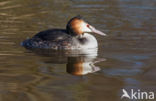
{"x": 78, "y": 62}
{"x": 81, "y": 65}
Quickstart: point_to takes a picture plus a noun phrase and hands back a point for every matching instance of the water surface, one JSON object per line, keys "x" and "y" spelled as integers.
{"x": 126, "y": 58}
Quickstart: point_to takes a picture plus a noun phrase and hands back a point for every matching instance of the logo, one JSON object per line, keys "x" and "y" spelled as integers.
{"x": 138, "y": 94}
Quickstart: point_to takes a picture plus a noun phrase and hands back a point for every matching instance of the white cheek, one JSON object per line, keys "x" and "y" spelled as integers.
{"x": 85, "y": 28}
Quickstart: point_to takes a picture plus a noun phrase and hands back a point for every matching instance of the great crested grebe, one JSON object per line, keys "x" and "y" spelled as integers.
{"x": 75, "y": 36}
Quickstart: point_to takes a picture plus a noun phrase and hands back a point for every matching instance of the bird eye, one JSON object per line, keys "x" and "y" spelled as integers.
{"x": 88, "y": 25}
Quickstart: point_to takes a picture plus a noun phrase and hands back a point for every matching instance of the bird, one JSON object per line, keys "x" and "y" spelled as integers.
{"x": 77, "y": 35}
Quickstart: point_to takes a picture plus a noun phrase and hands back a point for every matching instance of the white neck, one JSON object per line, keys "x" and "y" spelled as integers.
{"x": 90, "y": 43}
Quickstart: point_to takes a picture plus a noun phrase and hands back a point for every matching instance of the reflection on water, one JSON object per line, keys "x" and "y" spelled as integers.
{"x": 78, "y": 62}
{"x": 81, "y": 65}
{"x": 32, "y": 75}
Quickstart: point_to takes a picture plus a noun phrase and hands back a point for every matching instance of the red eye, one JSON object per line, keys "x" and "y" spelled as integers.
{"x": 87, "y": 25}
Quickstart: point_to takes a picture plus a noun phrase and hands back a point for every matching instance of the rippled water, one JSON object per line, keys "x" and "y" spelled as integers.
{"x": 126, "y": 58}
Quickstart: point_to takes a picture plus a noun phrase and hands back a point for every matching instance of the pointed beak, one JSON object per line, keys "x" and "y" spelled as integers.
{"x": 94, "y": 30}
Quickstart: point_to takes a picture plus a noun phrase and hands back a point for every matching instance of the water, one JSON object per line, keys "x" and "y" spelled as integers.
{"x": 126, "y": 57}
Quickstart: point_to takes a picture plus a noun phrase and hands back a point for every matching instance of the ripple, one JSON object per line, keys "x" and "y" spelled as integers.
{"x": 2, "y": 3}
{"x": 8, "y": 86}
{"x": 139, "y": 7}
{"x": 90, "y": 6}
{"x": 10, "y": 21}
{"x": 122, "y": 72}
{"x": 10, "y": 7}
{"x": 4, "y": 14}
{"x": 5, "y": 54}
{"x": 7, "y": 43}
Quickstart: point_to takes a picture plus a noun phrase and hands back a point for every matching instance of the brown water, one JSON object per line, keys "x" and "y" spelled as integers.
{"x": 128, "y": 53}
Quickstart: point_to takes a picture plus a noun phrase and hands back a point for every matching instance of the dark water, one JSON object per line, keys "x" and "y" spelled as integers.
{"x": 126, "y": 58}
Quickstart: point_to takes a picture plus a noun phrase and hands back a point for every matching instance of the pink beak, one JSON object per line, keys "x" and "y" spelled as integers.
{"x": 94, "y": 30}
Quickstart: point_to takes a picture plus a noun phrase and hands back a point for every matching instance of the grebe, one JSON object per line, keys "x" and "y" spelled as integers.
{"x": 75, "y": 36}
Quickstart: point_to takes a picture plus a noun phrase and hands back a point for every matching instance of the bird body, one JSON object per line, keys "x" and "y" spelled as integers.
{"x": 75, "y": 36}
